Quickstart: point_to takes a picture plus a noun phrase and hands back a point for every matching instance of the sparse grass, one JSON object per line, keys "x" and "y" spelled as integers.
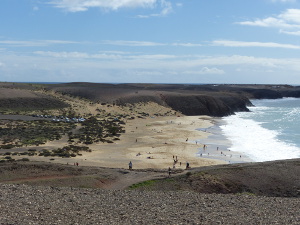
{"x": 144, "y": 184}
{"x": 30, "y": 133}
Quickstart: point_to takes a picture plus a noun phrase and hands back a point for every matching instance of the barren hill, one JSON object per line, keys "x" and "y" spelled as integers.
{"x": 26, "y": 99}
{"x": 212, "y": 100}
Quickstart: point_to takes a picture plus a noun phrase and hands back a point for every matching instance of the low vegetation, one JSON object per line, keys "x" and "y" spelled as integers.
{"x": 93, "y": 130}
{"x": 31, "y": 133}
{"x": 144, "y": 184}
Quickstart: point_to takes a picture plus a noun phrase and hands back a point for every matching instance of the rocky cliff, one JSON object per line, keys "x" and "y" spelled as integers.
{"x": 212, "y": 100}
{"x": 208, "y": 104}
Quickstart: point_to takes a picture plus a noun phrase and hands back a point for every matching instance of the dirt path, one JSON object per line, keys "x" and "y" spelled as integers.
{"x": 45, "y": 174}
{"x": 133, "y": 177}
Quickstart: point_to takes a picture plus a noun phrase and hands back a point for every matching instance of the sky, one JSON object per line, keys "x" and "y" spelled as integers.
{"x": 150, "y": 41}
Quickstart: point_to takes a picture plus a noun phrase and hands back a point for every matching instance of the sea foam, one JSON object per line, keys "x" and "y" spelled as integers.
{"x": 260, "y": 144}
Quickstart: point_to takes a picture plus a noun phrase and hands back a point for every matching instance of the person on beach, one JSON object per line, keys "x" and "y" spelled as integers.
{"x": 187, "y": 165}
{"x": 130, "y": 165}
{"x": 169, "y": 170}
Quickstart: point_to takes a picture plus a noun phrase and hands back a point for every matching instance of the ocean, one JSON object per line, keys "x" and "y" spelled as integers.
{"x": 271, "y": 131}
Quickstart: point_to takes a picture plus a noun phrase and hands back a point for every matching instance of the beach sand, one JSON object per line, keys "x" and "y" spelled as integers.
{"x": 149, "y": 143}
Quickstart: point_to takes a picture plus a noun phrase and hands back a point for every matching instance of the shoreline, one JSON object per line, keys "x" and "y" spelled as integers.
{"x": 218, "y": 145}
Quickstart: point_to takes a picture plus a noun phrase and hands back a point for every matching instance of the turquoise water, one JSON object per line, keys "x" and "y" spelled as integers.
{"x": 271, "y": 131}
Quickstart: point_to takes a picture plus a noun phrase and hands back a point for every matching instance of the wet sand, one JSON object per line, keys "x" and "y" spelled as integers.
{"x": 217, "y": 146}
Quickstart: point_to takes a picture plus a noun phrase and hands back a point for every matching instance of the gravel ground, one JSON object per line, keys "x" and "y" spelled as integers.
{"x": 21, "y": 204}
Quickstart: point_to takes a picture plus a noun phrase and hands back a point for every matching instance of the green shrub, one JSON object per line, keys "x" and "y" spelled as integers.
{"x": 24, "y": 159}
{"x": 147, "y": 183}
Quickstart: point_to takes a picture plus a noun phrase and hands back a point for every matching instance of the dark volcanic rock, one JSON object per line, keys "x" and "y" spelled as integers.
{"x": 263, "y": 93}
{"x": 212, "y": 100}
{"x": 207, "y": 105}
{"x": 31, "y": 103}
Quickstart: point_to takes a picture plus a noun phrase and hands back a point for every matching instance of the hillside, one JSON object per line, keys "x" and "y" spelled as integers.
{"x": 66, "y": 194}
{"x": 276, "y": 178}
{"x": 211, "y": 100}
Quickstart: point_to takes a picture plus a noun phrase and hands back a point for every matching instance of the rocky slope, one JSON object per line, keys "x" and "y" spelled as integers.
{"x": 50, "y": 205}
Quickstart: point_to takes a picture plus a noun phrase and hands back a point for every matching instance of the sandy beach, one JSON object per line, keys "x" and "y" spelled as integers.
{"x": 149, "y": 143}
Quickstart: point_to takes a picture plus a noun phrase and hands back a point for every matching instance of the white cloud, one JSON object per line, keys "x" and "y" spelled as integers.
{"x": 187, "y": 44}
{"x": 291, "y": 16}
{"x": 153, "y": 57}
{"x": 271, "y": 22}
{"x": 138, "y": 67}
{"x": 284, "y": 1}
{"x": 77, "y": 55}
{"x": 288, "y": 22}
{"x": 148, "y": 43}
{"x": 160, "y": 61}
{"x": 34, "y": 43}
{"x": 296, "y": 33}
{"x": 204, "y": 70}
{"x": 227, "y": 43}
{"x": 84, "y": 5}
{"x": 132, "y": 43}
{"x": 42, "y": 43}
{"x": 166, "y": 6}
{"x": 104, "y": 56}
{"x": 179, "y": 63}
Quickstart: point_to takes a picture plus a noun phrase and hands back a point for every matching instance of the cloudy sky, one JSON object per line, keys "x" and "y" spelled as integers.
{"x": 153, "y": 41}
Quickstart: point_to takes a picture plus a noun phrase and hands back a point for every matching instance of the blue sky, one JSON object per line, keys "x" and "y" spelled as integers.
{"x": 150, "y": 41}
